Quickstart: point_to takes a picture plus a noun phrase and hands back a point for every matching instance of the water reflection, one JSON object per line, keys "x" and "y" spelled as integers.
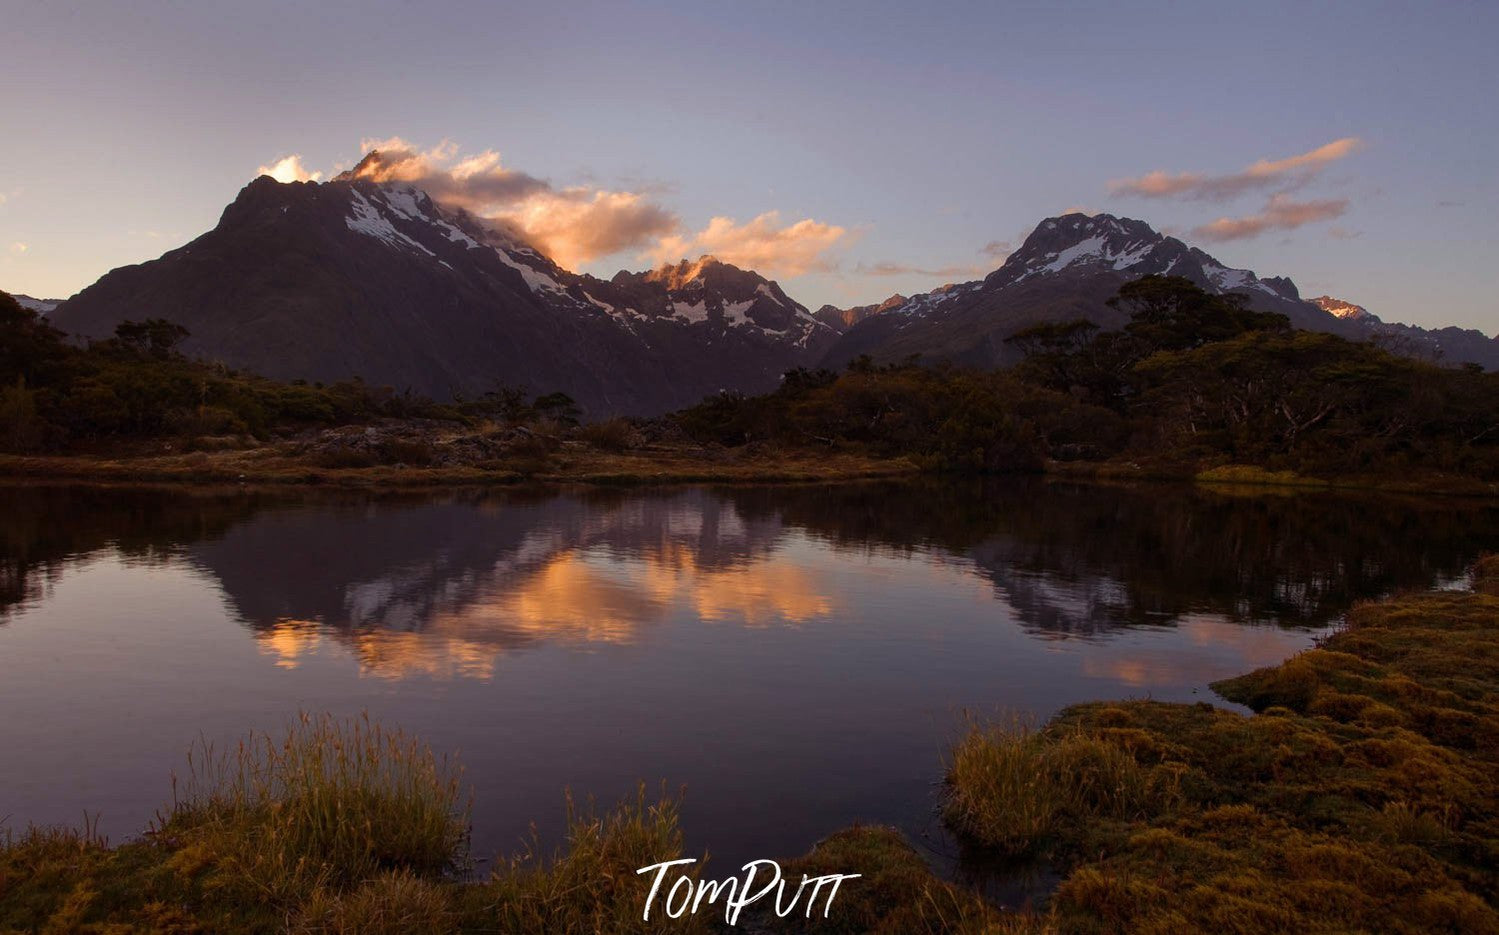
{"x": 440, "y": 586}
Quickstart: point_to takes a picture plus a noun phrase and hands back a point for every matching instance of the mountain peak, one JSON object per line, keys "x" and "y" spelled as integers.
{"x": 367, "y": 167}
{"x": 686, "y": 273}
{"x": 1342, "y": 309}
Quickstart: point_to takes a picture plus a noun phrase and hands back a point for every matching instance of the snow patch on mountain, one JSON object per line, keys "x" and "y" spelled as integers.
{"x": 1341, "y": 308}
{"x": 40, "y": 306}
{"x": 367, "y": 219}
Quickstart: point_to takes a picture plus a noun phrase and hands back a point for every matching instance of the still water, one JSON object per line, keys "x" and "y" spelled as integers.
{"x": 797, "y": 658}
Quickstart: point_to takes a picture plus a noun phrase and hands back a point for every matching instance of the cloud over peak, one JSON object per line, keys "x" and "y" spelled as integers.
{"x": 1264, "y": 173}
{"x": 289, "y": 169}
{"x": 762, "y": 244}
{"x": 576, "y": 224}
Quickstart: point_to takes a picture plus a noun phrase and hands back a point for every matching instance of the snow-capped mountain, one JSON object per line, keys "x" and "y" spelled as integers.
{"x": 1066, "y": 269}
{"x": 40, "y": 306}
{"x": 355, "y": 278}
{"x": 711, "y": 292}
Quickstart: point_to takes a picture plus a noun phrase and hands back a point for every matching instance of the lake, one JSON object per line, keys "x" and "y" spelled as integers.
{"x": 798, "y": 658}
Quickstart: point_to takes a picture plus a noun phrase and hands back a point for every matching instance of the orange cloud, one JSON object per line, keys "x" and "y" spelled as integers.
{"x": 1281, "y": 213}
{"x": 762, "y": 244}
{"x": 577, "y": 225}
{"x": 1261, "y": 174}
{"x": 571, "y": 225}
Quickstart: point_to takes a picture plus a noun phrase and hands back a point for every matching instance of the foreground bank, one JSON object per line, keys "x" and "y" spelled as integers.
{"x": 1361, "y": 797}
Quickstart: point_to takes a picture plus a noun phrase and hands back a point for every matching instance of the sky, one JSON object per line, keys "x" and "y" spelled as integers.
{"x": 848, "y": 150}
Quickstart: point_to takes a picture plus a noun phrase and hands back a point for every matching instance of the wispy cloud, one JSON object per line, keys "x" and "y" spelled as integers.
{"x": 998, "y": 249}
{"x": 890, "y": 268}
{"x": 762, "y": 244}
{"x": 1265, "y": 173}
{"x": 1281, "y": 212}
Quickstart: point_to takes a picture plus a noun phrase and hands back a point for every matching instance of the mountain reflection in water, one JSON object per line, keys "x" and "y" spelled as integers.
{"x": 797, "y": 655}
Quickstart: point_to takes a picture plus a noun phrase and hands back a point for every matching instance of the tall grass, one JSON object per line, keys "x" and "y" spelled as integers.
{"x": 330, "y": 802}
{"x": 592, "y": 886}
{"x": 1009, "y": 787}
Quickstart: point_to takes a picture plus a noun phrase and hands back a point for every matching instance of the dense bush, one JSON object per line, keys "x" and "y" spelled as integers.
{"x": 941, "y": 418}
{"x": 1194, "y": 380}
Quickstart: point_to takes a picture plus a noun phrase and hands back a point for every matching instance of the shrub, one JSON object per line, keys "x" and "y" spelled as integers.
{"x": 611, "y": 435}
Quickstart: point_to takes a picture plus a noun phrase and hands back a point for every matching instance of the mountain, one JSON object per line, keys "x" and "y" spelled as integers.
{"x": 354, "y": 278}
{"x": 1342, "y": 309}
{"x": 1066, "y": 269}
{"x": 1446, "y": 345}
{"x": 40, "y": 306}
{"x": 842, "y": 319}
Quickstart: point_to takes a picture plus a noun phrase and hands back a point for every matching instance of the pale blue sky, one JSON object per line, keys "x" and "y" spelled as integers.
{"x": 926, "y": 131}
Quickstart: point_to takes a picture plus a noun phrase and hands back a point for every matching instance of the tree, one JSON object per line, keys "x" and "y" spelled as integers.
{"x": 1171, "y": 313}
{"x": 30, "y": 348}
{"x": 558, "y": 406}
{"x": 155, "y": 337}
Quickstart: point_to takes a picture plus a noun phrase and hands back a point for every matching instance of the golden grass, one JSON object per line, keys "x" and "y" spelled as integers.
{"x": 329, "y": 802}
{"x": 1010, "y": 788}
{"x": 592, "y": 885}
{"x": 337, "y": 827}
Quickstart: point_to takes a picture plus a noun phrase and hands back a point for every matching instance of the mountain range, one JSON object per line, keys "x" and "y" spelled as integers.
{"x": 354, "y": 278}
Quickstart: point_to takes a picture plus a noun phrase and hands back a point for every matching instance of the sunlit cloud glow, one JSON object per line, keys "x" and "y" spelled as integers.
{"x": 1281, "y": 213}
{"x": 1264, "y": 173}
{"x": 289, "y": 169}
{"x": 762, "y": 244}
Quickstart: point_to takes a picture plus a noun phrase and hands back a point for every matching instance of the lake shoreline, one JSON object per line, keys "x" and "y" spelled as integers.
{"x": 270, "y": 468}
{"x": 662, "y": 465}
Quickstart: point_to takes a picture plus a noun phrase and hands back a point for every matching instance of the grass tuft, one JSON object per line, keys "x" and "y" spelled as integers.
{"x": 1009, "y": 788}
{"x": 330, "y": 802}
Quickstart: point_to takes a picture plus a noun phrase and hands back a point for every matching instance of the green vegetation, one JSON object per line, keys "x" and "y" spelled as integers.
{"x": 1363, "y": 795}
{"x": 1194, "y": 383}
